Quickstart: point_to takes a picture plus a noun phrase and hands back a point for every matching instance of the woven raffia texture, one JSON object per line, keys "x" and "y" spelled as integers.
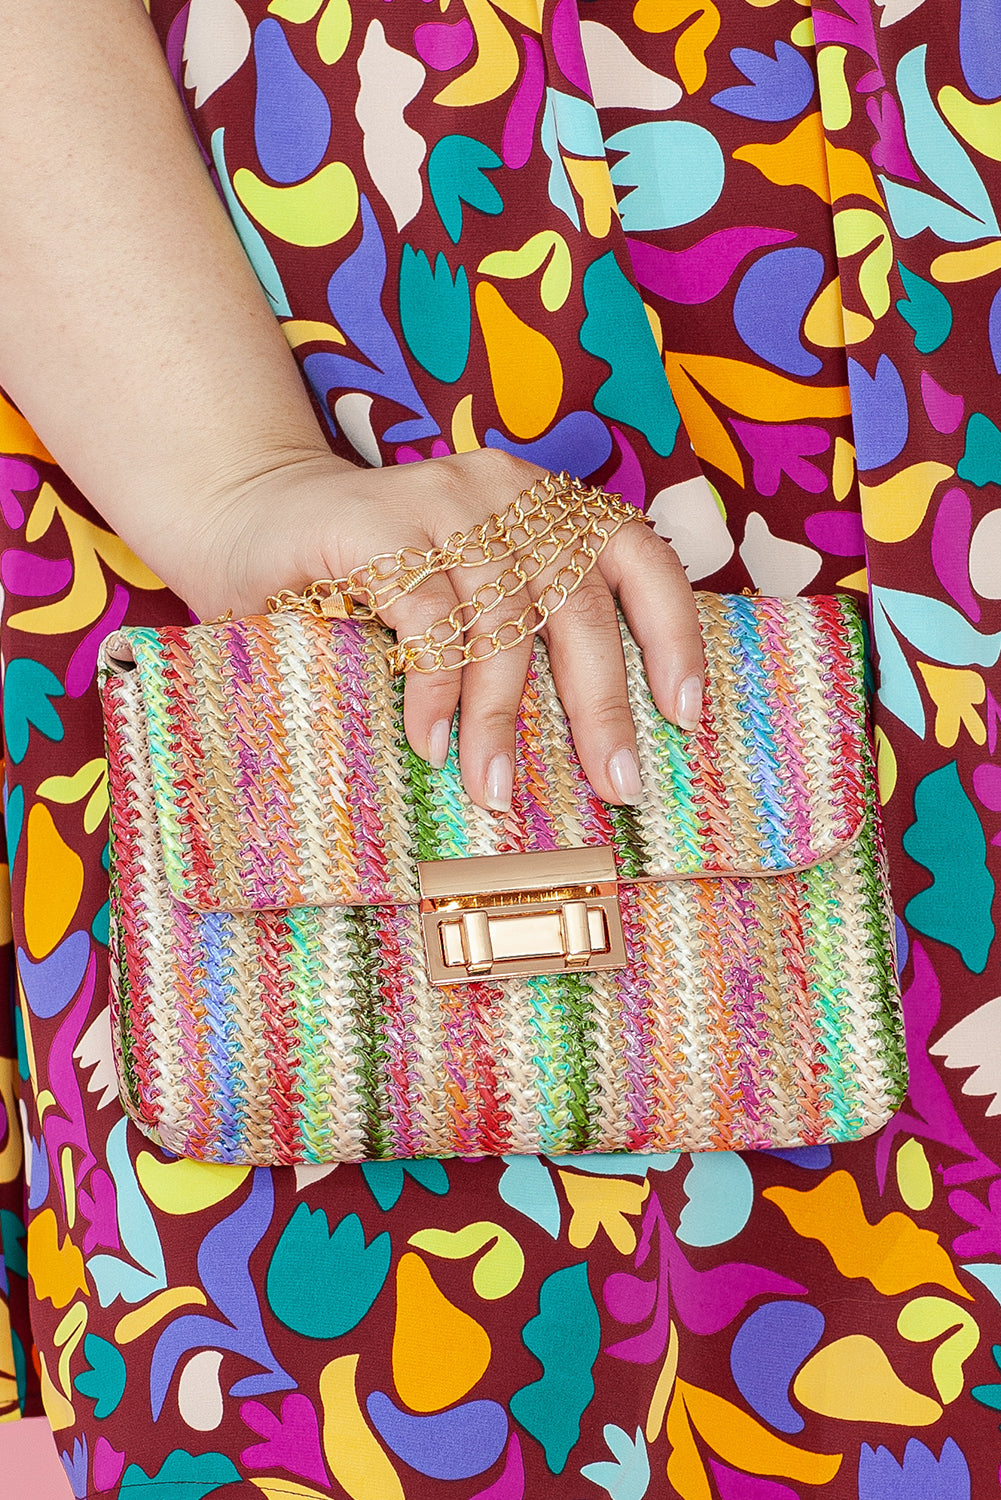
{"x": 269, "y": 995}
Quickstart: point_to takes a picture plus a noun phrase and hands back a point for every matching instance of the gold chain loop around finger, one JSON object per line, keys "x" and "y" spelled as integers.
{"x": 557, "y": 523}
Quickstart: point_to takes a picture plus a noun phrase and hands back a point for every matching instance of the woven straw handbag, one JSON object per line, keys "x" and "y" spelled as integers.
{"x": 323, "y": 951}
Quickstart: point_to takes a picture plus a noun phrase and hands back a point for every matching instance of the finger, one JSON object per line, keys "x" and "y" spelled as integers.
{"x": 429, "y": 698}
{"x": 492, "y": 691}
{"x": 644, "y": 572}
{"x": 585, "y": 653}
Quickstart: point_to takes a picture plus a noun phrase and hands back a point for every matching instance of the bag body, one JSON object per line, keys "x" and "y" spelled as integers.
{"x": 288, "y": 877}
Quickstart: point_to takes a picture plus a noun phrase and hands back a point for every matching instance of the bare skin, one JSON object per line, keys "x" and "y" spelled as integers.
{"x": 137, "y": 341}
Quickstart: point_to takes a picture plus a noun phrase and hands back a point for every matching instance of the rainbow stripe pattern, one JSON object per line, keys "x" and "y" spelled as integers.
{"x": 269, "y": 996}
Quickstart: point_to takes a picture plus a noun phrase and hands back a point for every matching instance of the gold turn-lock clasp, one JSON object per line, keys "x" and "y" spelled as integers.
{"x": 504, "y": 915}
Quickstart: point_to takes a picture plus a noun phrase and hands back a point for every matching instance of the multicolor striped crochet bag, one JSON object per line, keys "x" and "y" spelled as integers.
{"x": 319, "y": 944}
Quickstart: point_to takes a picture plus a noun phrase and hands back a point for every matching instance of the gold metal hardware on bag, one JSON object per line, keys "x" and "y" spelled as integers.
{"x": 554, "y": 531}
{"x": 502, "y": 915}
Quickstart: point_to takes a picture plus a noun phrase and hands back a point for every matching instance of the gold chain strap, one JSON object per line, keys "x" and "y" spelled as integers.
{"x": 559, "y": 522}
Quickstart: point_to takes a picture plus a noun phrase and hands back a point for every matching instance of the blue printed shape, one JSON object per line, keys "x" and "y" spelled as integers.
{"x": 769, "y": 1348}
{"x": 879, "y": 412}
{"x": 385, "y": 1178}
{"x": 628, "y": 1478}
{"x": 778, "y": 88}
{"x": 675, "y": 169}
{"x": 527, "y": 1187}
{"x": 291, "y": 115}
{"x": 320, "y": 1284}
{"x": 455, "y": 1444}
{"x": 50, "y": 984}
{"x": 457, "y": 169}
{"x": 981, "y": 460}
{"x": 435, "y": 314}
{"x": 979, "y": 53}
{"x": 251, "y": 239}
{"x": 937, "y": 632}
{"x": 564, "y": 1337}
{"x": 104, "y": 1382}
{"x": 580, "y": 443}
{"x": 944, "y": 162}
{"x": 183, "y": 1476}
{"x": 720, "y": 1193}
{"x": 926, "y": 309}
{"x": 617, "y": 331}
{"x": 947, "y": 838}
{"x": 771, "y": 303}
{"x": 994, "y": 330}
{"x": 28, "y": 690}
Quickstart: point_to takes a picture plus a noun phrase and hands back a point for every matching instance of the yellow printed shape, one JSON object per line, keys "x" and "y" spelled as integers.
{"x": 134, "y": 1324}
{"x": 798, "y": 160}
{"x": 67, "y": 1338}
{"x": 656, "y": 326}
{"x": 334, "y": 31}
{"x": 55, "y": 1269}
{"x": 886, "y": 777}
{"x": 53, "y": 884}
{"x": 284, "y": 1489}
{"x": 824, "y": 324}
{"x": 12, "y": 1155}
{"x": 850, "y": 175}
{"x": 525, "y": 12}
{"x": 356, "y": 1461}
{"x": 319, "y": 211}
{"x": 600, "y": 1202}
{"x": 184, "y": 1186}
{"x": 69, "y": 1184}
{"x": 858, "y": 580}
{"x": 967, "y": 265}
{"x": 662, "y": 1390}
{"x": 708, "y": 437}
{"x": 299, "y": 331}
{"x": 496, "y": 65}
{"x": 58, "y": 1410}
{"x": 91, "y": 781}
{"x": 547, "y": 248}
{"x": 852, "y": 1378}
{"x": 927, "y": 1318}
{"x": 694, "y": 42}
{"x": 954, "y": 691}
{"x": 8, "y": 1373}
{"x": 978, "y": 124}
{"x": 803, "y": 34}
{"x": 894, "y": 1255}
{"x": 464, "y": 439}
{"x": 296, "y": 11}
{"x": 855, "y": 229}
{"x": 835, "y": 95}
{"x": 914, "y": 1178}
{"x": 439, "y": 1351}
{"x": 6, "y": 929}
{"x": 893, "y": 511}
{"x": 593, "y": 183}
{"x": 525, "y": 369}
{"x": 17, "y": 437}
{"x": 738, "y": 1439}
{"x": 495, "y": 1274}
{"x": 90, "y": 546}
{"x": 843, "y": 472}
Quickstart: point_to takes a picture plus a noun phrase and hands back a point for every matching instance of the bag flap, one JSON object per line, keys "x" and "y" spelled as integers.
{"x": 282, "y": 776}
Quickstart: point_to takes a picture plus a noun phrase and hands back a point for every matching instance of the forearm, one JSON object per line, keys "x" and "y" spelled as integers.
{"x": 133, "y": 334}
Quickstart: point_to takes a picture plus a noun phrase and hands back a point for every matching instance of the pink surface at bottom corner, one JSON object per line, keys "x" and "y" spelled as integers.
{"x": 29, "y": 1464}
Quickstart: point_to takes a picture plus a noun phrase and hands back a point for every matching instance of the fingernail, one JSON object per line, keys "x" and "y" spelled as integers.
{"x": 624, "y": 775}
{"x": 438, "y": 741}
{"x": 499, "y": 784}
{"x": 690, "y": 703}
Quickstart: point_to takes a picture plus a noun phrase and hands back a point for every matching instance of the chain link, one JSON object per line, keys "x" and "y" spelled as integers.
{"x": 556, "y": 516}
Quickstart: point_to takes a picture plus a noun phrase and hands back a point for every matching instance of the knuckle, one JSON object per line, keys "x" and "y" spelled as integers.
{"x": 592, "y": 605}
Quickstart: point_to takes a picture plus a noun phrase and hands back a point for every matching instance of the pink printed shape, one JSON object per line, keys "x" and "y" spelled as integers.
{"x": 511, "y": 1484}
{"x": 778, "y": 448}
{"x": 567, "y": 46}
{"x": 291, "y": 1442}
{"x": 108, "y": 1465}
{"x": 443, "y": 45}
{"x": 16, "y": 478}
{"x": 945, "y": 412}
{"x": 699, "y": 273}
{"x": 950, "y": 549}
{"x": 628, "y": 479}
{"x": 519, "y": 127}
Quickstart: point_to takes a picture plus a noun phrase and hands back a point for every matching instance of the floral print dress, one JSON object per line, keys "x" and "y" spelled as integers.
{"x": 739, "y": 260}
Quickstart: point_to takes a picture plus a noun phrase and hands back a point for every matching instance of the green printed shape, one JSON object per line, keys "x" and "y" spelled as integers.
{"x": 12, "y": 1230}
{"x": 104, "y": 1382}
{"x": 564, "y": 1338}
{"x": 435, "y": 314}
{"x": 926, "y": 309}
{"x": 28, "y": 689}
{"x": 385, "y": 1178}
{"x": 456, "y": 175}
{"x": 20, "y": 1371}
{"x": 617, "y": 331}
{"x": 184, "y": 1476}
{"x": 948, "y": 840}
{"x": 981, "y": 460}
{"x": 321, "y": 1284}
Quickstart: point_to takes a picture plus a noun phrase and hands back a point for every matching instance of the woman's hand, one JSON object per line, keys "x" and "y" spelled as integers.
{"x": 319, "y": 518}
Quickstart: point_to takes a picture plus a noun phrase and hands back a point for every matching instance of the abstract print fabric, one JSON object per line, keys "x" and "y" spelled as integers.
{"x": 740, "y": 262}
